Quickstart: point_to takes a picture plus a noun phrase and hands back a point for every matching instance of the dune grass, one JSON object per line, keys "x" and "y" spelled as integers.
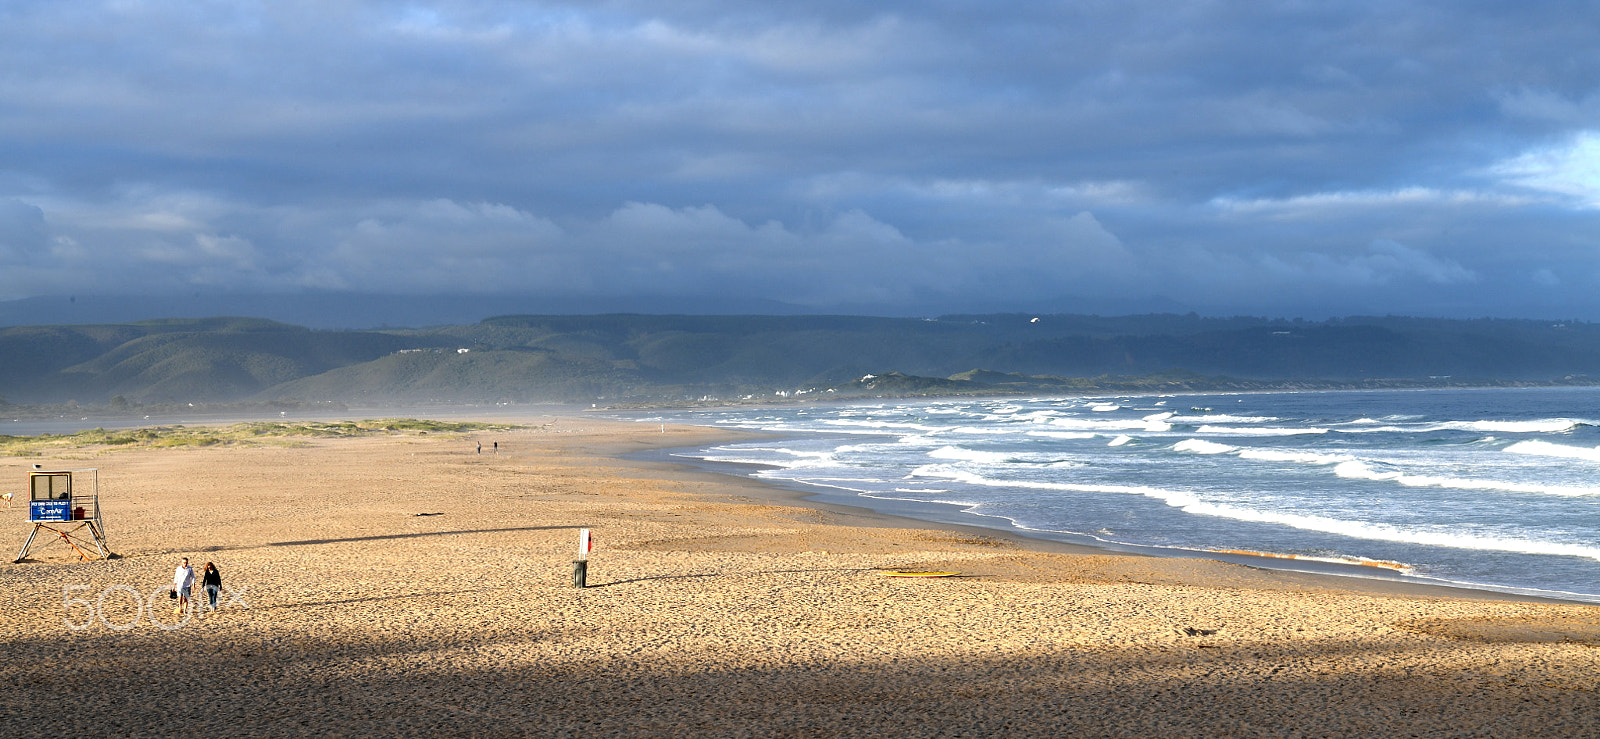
{"x": 253, "y": 433}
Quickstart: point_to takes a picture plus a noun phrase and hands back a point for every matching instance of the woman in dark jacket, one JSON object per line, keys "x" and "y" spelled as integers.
{"x": 212, "y": 582}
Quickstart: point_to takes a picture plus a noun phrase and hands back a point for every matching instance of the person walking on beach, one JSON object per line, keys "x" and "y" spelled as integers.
{"x": 182, "y": 581}
{"x": 211, "y": 582}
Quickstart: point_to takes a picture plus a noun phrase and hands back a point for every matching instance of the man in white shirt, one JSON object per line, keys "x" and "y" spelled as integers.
{"x": 182, "y": 581}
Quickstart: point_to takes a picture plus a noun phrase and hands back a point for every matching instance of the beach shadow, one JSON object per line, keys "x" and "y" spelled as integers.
{"x": 381, "y": 537}
{"x": 349, "y": 601}
{"x": 458, "y": 682}
{"x": 353, "y": 539}
{"x": 420, "y": 534}
{"x": 657, "y": 577}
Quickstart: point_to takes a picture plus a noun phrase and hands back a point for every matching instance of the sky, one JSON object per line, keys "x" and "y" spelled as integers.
{"x": 1285, "y": 159}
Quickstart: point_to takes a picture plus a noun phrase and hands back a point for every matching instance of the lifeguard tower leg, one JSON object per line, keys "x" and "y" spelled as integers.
{"x": 24, "y": 553}
{"x": 100, "y": 540}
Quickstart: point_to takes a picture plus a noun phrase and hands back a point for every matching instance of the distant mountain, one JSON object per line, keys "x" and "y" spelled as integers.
{"x": 343, "y": 310}
{"x": 646, "y": 358}
{"x": 334, "y": 310}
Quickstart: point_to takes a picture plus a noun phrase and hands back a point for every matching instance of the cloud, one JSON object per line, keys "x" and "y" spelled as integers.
{"x": 1382, "y": 264}
{"x": 440, "y": 246}
{"x": 23, "y": 234}
{"x": 1323, "y": 205}
{"x": 892, "y": 154}
{"x": 1571, "y": 169}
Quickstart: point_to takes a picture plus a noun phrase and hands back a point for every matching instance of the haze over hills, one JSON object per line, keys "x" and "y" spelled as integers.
{"x": 354, "y": 310}
{"x": 656, "y": 358}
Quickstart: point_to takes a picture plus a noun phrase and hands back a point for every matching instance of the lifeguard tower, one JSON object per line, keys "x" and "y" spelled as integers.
{"x": 67, "y": 503}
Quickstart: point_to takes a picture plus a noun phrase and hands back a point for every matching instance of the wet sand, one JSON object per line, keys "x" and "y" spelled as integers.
{"x": 716, "y": 607}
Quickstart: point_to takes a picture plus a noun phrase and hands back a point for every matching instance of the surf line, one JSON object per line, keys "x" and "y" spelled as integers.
{"x": 1396, "y": 566}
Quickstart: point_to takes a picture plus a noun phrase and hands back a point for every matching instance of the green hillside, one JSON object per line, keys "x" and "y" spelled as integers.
{"x": 638, "y": 358}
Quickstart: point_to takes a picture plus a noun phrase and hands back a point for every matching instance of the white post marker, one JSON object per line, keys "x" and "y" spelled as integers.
{"x": 580, "y": 566}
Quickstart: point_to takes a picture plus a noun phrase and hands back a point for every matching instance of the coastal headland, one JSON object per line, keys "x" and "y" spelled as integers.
{"x": 403, "y": 582}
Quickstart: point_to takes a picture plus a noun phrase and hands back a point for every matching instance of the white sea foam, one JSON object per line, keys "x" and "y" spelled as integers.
{"x": 1192, "y": 503}
{"x": 1297, "y": 457}
{"x": 855, "y": 424}
{"x": 1386, "y": 532}
{"x": 1358, "y": 470}
{"x": 1120, "y": 440}
{"x": 1544, "y": 426}
{"x": 968, "y": 455}
{"x": 1258, "y": 431}
{"x": 1547, "y": 449}
{"x": 786, "y": 458}
{"x": 1063, "y": 434}
{"x": 1201, "y": 446}
{"x": 1111, "y": 424}
{"x": 1105, "y": 407}
{"x": 984, "y": 430}
{"x": 1222, "y": 418}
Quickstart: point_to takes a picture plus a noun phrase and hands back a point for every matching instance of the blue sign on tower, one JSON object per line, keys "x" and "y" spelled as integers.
{"x": 49, "y": 510}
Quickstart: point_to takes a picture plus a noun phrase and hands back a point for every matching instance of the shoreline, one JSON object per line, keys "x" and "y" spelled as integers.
{"x": 404, "y": 583}
{"x": 1351, "y": 577}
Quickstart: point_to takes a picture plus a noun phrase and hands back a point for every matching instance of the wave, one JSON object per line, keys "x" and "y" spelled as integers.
{"x": 1453, "y": 539}
{"x": 984, "y": 430}
{"x": 1192, "y": 503}
{"x": 1544, "y": 426}
{"x": 855, "y": 424}
{"x": 752, "y": 455}
{"x": 1222, "y": 418}
{"x": 1201, "y": 446}
{"x": 1258, "y": 431}
{"x": 1358, "y": 470}
{"x": 1112, "y": 424}
{"x": 1120, "y": 440}
{"x": 969, "y": 455}
{"x": 1547, "y": 449}
{"x": 1278, "y": 455}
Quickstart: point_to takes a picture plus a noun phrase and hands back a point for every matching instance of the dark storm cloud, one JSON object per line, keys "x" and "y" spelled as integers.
{"x": 1286, "y": 158}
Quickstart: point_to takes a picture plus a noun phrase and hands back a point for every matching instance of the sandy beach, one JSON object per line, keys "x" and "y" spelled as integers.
{"x": 406, "y": 584}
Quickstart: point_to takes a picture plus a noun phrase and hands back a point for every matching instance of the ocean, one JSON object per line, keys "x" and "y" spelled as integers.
{"x": 1485, "y": 488}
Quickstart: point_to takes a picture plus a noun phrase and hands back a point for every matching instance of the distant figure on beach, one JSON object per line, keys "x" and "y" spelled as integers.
{"x": 182, "y": 581}
{"x": 211, "y": 582}
{"x": 497, "y": 447}
{"x": 480, "y": 447}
